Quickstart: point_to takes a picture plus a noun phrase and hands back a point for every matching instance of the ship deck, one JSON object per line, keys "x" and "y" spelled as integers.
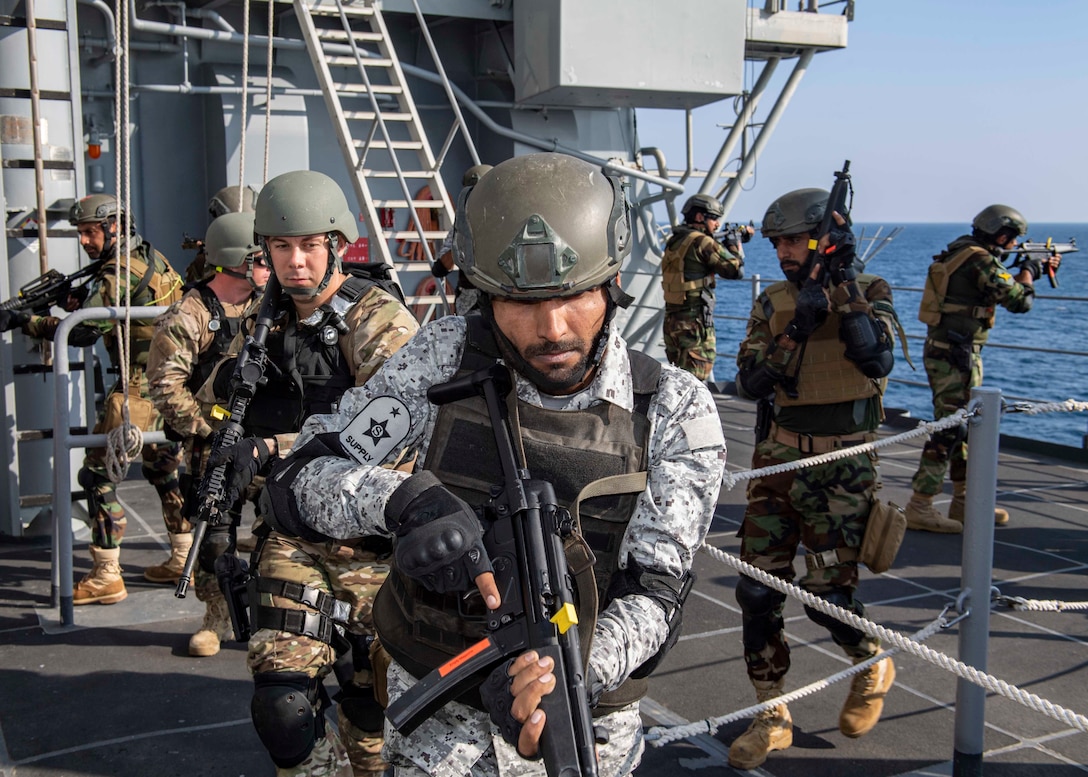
{"x": 117, "y": 694}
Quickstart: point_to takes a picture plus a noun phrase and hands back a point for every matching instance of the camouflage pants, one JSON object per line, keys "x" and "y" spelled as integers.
{"x": 352, "y": 575}
{"x": 160, "y": 468}
{"x": 823, "y": 507}
{"x": 690, "y": 342}
{"x": 952, "y": 374}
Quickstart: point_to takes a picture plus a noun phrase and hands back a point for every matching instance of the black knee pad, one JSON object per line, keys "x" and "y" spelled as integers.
{"x": 287, "y": 715}
{"x": 218, "y": 541}
{"x": 760, "y": 615}
{"x": 843, "y": 634}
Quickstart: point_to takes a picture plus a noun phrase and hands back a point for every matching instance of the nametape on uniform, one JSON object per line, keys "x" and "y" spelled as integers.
{"x": 704, "y": 432}
{"x": 377, "y": 430}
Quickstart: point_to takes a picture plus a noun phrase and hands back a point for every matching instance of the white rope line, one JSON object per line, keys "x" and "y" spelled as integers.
{"x": 1040, "y": 605}
{"x": 660, "y": 735}
{"x": 123, "y": 441}
{"x": 268, "y": 95}
{"x": 245, "y": 106}
{"x": 958, "y": 668}
{"x": 924, "y": 429}
{"x": 1035, "y": 408}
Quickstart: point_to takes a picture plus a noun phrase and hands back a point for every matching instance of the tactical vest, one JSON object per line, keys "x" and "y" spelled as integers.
{"x": 159, "y": 285}
{"x": 825, "y": 375}
{"x": 225, "y": 329}
{"x": 945, "y": 293}
{"x": 574, "y": 451}
{"x": 312, "y": 366}
{"x": 678, "y": 290}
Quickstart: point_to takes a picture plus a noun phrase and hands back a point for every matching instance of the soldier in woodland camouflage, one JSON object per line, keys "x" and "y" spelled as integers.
{"x": 823, "y": 352}
{"x": 146, "y": 280}
{"x": 965, "y": 284}
{"x": 189, "y": 340}
{"x": 542, "y": 237}
{"x": 692, "y": 258}
{"x": 313, "y": 611}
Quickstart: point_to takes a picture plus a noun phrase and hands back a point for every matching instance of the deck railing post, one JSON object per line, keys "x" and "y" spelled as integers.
{"x": 978, "y": 562}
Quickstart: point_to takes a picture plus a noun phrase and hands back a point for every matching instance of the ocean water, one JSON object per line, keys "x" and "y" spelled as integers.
{"x": 1053, "y": 323}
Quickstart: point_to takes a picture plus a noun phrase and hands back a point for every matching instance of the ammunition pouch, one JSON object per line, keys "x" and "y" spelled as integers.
{"x": 883, "y": 535}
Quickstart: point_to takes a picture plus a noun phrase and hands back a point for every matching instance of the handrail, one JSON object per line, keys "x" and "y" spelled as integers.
{"x": 63, "y": 439}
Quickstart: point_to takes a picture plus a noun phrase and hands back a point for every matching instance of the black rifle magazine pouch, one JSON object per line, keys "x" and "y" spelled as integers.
{"x": 883, "y": 535}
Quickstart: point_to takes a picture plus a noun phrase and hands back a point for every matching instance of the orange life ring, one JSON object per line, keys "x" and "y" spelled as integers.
{"x": 426, "y": 288}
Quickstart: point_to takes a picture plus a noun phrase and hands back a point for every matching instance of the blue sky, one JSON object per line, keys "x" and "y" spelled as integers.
{"x": 942, "y": 106}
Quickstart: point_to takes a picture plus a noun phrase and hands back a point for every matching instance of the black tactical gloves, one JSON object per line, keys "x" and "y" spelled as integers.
{"x": 811, "y": 311}
{"x": 498, "y": 699}
{"x": 244, "y": 460}
{"x": 1033, "y": 266}
{"x": 439, "y": 537}
{"x": 840, "y": 255}
{"x": 12, "y": 319}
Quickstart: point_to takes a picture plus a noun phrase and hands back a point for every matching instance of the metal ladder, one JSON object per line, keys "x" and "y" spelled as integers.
{"x": 384, "y": 144}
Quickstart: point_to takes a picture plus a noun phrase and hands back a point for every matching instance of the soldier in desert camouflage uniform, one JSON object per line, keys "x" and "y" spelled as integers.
{"x": 313, "y": 612}
{"x": 823, "y": 353}
{"x": 189, "y": 340}
{"x": 542, "y": 237}
{"x": 150, "y": 281}
{"x": 965, "y": 284}
{"x": 692, "y": 258}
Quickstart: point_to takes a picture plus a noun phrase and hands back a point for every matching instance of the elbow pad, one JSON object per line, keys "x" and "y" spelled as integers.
{"x": 867, "y": 344}
{"x": 758, "y": 382}
{"x": 665, "y": 590}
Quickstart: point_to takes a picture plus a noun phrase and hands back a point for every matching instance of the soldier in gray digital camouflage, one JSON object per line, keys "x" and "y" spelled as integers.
{"x": 189, "y": 340}
{"x": 311, "y": 614}
{"x": 823, "y": 350}
{"x": 145, "y": 279}
{"x": 692, "y": 258}
{"x": 542, "y": 237}
{"x": 964, "y": 285}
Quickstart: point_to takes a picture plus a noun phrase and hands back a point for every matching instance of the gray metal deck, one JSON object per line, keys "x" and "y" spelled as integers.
{"x": 118, "y": 694}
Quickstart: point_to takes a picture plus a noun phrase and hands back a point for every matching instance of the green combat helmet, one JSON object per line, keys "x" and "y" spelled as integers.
{"x": 794, "y": 212}
{"x": 94, "y": 209}
{"x": 305, "y": 202}
{"x": 230, "y": 244}
{"x": 473, "y": 175}
{"x": 702, "y": 203}
{"x": 541, "y": 226}
{"x": 994, "y": 218}
{"x": 226, "y": 200}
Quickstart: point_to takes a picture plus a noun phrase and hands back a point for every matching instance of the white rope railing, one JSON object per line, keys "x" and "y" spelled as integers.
{"x": 1035, "y": 408}
{"x": 906, "y": 644}
{"x": 924, "y": 429}
{"x": 1039, "y": 605}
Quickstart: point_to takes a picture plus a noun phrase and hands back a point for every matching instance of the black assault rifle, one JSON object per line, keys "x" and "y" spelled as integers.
{"x": 525, "y": 543}
{"x": 1034, "y": 250}
{"x": 212, "y": 506}
{"x": 51, "y": 288}
{"x": 734, "y": 234}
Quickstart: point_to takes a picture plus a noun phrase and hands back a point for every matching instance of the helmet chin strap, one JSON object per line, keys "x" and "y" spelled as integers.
{"x": 309, "y": 292}
{"x": 615, "y": 298}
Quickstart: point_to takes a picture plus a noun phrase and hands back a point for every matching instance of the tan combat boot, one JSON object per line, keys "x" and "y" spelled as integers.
{"x": 215, "y": 628}
{"x": 957, "y": 508}
{"x": 770, "y": 730}
{"x": 866, "y": 700}
{"x": 103, "y": 584}
{"x": 922, "y": 515}
{"x": 170, "y": 570}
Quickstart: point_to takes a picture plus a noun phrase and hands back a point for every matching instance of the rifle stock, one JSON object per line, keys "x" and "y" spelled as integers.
{"x": 537, "y": 608}
{"x": 249, "y": 368}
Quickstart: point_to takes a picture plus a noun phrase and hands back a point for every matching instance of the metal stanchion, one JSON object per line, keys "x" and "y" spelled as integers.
{"x": 978, "y": 561}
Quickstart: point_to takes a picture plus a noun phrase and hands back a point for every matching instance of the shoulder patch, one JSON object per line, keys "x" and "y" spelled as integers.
{"x": 377, "y": 430}
{"x": 704, "y": 432}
